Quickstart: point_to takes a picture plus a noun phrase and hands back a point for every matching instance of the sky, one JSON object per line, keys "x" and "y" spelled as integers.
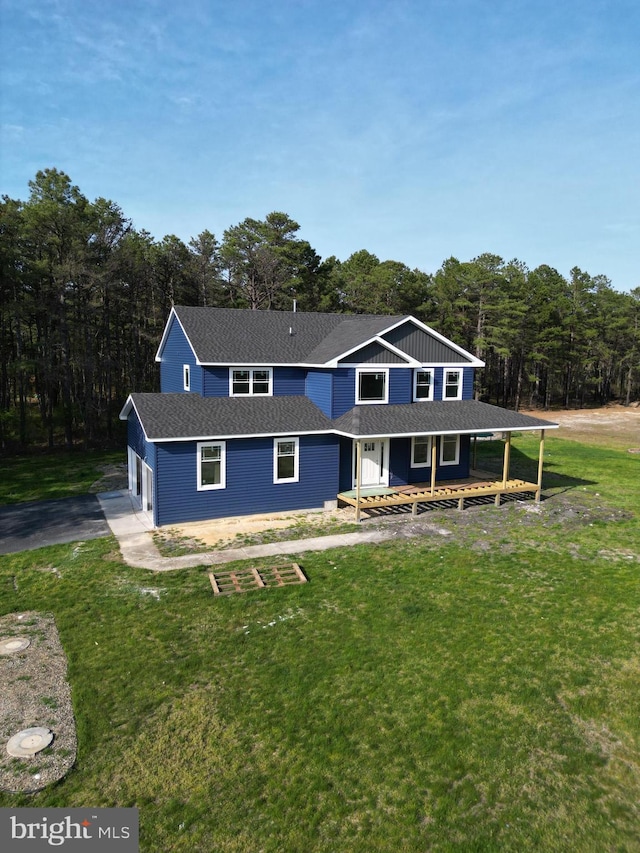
{"x": 415, "y": 129}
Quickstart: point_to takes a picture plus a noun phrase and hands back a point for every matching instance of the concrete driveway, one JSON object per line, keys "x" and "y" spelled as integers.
{"x": 26, "y": 526}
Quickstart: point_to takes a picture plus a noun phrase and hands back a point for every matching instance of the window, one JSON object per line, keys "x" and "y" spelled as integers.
{"x": 371, "y": 386}
{"x": 449, "y": 449}
{"x": 251, "y": 382}
{"x": 421, "y": 451}
{"x": 286, "y": 453}
{"x": 186, "y": 377}
{"x": 211, "y": 465}
{"x": 423, "y": 385}
{"x": 453, "y": 385}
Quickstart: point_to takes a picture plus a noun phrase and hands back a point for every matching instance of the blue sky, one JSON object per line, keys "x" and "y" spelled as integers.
{"x": 415, "y": 129}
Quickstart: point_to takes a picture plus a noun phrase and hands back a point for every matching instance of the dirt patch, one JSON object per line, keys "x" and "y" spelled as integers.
{"x": 114, "y": 478}
{"x": 35, "y": 693}
{"x": 240, "y": 530}
{"x": 614, "y": 425}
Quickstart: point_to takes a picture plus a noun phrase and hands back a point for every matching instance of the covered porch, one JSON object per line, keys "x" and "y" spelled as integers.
{"x": 479, "y": 484}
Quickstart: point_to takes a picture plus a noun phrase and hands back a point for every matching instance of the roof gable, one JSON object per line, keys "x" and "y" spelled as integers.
{"x": 426, "y": 345}
{"x": 236, "y": 336}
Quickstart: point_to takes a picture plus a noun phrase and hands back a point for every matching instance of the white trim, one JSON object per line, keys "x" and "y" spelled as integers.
{"x": 473, "y": 361}
{"x": 165, "y": 333}
{"x": 456, "y": 460}
{"x": 431, "y": 372}
{"x": 460, "y": 373}
{"x": 344, "y": 433}
{"x": 186, "y": 377}
{"x": 407, "y": 360}
{"x": 470, "y": 360}
{"x": 250, "y": 371}
{"x": 296, "y": 459}
{"x": 359, "y": 372}
{"x": 413, "y": 463}
{"x": 223, "y": 466}
{"x": 384, "y": 468}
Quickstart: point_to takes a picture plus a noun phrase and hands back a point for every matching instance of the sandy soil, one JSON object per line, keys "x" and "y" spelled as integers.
{"x": 618, "y": 425}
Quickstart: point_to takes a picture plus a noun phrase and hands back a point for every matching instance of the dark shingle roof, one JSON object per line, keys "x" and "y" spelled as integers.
{"x": 446, "y": 416}
{"x": 167, "y": 417}
{"x": 180, "y": 416}
{"x": 240, "y": 336}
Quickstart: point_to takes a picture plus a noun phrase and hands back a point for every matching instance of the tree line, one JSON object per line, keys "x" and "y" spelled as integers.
{"x": 84, "y": 298}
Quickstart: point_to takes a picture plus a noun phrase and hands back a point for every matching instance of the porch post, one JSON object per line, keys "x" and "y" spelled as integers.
{"x": 540, "y": 458}
{"x": 507, "y": 459}
{"x": 358, "y": 476}
{"x": 434, "y": 458}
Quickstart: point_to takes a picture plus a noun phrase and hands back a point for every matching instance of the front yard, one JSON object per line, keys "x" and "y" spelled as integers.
{"x": 469, "y": 690}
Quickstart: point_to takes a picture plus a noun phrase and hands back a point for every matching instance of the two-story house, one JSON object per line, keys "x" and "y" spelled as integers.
{"x": 264, "y": 411}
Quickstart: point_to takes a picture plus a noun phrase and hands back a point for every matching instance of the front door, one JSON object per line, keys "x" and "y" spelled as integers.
{"x": 373, "y": 471}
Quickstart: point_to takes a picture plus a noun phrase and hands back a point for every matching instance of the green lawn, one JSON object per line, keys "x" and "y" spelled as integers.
{"x": 471, "y": 692}
{"x": 59, "y": 474}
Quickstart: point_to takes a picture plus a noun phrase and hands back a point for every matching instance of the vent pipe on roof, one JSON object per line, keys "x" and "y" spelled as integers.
{"x": 295, "y": 305}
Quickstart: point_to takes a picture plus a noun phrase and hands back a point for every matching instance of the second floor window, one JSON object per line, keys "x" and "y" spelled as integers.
{"x": 423, "y": 385}
{"x": 251, "y": 382}
{"x": 371, "y": 386}
{"x": 452, "y": 385}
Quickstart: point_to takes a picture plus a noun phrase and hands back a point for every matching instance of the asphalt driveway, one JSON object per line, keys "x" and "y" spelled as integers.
{"x": 26, "y": 526}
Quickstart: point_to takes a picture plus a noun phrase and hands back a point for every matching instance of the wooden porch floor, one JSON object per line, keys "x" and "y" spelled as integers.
{"x": 480, "y": 484}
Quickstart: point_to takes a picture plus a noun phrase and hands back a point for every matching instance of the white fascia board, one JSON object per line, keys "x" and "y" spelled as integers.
{"x": 474, "y": 361}
{"x": 230, "y": 436}
{"x": 376, "y": 339}
{"x": 166, "y": 332}
{"x": 442, "y": 432}
{"x": 128, "y": 407}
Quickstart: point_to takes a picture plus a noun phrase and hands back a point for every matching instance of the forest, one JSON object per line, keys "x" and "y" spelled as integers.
{"x": 84, "y": 297}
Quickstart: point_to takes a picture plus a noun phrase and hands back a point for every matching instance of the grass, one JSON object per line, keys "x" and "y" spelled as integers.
{"x": 472, "y": 692}
{"x": 60, "y": 474}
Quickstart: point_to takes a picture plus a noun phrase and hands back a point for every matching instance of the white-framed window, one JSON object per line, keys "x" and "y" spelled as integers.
{"x": 449, "y": 449}
{"x": 286, "y": 460}
{"x": 186, "y": 377}
{"x": 372, "y": 386}
{"x": 452, "y": 385}
{"x": 250, "y": 381}
{"x": 211, "y": 465}
{"x": 422, "y": 385}
{"x": 421, "y": 451}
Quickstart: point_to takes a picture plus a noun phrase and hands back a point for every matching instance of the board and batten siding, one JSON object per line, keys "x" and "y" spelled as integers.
{"x": 175, "y": 354}
{"x": 249, "y": 480}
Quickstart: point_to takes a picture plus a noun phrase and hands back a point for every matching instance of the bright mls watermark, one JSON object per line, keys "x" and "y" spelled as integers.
{"x": 86, "y": 830}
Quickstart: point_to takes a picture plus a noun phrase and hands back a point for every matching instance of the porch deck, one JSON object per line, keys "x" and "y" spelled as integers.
{"x": 480, "y": 484}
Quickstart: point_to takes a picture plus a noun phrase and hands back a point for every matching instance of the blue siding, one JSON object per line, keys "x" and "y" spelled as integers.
{"x": 399, "y": 455}
{"x": 176, "y": 353}
{"x": 216, "y": 382}
{"x": 289, "y": 381}
{"x": 467, "y": 383}
{"x": 250, "y": 487}
{"x": 400, "y": 386}
{"x": 346, "y": 464}
{"x": 146, "y": 450}
{"x": 319, "y": 388}
{"x": 344, "y": 391}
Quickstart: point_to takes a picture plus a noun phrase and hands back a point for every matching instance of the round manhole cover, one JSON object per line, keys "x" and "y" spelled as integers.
{"x": 29, "y": 741}
{"x": 11, "y": 645}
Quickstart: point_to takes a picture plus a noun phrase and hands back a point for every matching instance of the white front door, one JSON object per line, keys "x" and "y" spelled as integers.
{"x": 373, "y": 464}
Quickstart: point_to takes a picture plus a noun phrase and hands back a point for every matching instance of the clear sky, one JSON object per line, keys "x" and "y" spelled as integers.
{"x": 415, "y": 129}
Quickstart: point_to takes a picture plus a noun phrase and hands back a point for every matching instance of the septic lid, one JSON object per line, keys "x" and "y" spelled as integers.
{"x": 29, "y": 741}
{"x": 11, "y": 645}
